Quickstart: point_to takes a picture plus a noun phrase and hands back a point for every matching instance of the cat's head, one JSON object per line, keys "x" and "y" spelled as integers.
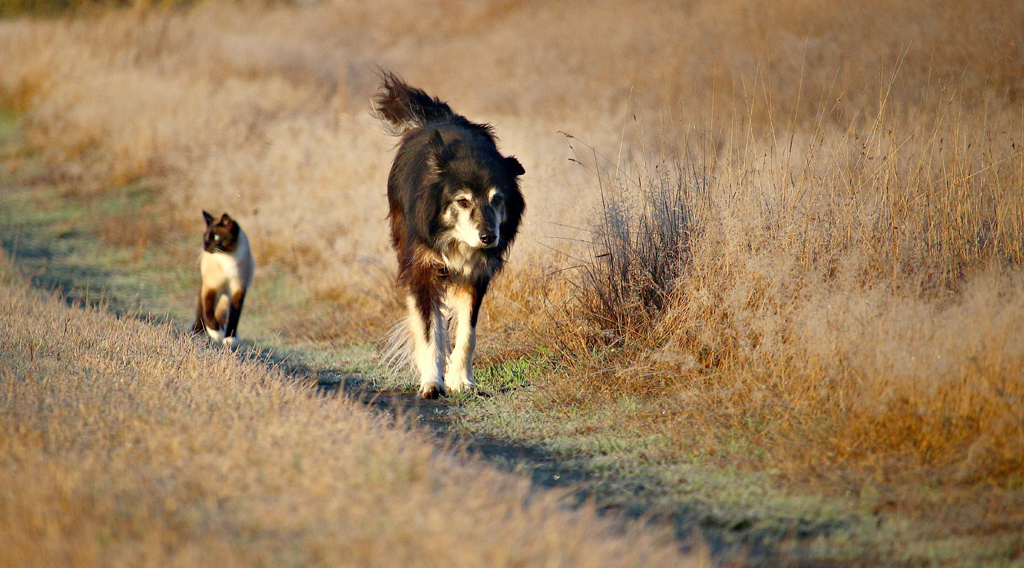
{"x": 221, "y": 234}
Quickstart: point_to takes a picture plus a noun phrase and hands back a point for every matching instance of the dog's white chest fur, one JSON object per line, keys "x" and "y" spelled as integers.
{"x": 463, "y": 260}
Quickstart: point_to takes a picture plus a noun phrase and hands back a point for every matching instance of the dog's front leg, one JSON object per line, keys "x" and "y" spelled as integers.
{"x": 426, "y": 328}
{"x": 460, "y": 368}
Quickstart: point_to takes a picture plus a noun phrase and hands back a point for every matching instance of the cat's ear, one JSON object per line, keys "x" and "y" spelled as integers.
{"x": 207, "y": 217}
{"x": 225, "y": 219}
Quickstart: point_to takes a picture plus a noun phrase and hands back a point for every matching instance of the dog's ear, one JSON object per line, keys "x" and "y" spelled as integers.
{"x": 207, "y": 217}
{"x": 514, "y": 167}
{"x": 226, "y": 219}
{"x": 435, "y": 149}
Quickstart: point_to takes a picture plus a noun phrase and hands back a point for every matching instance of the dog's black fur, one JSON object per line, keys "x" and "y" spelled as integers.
{"x": 447, "y": 170}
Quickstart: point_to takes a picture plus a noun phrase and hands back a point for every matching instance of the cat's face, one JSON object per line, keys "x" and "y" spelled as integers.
{"x": 221, "y": 234}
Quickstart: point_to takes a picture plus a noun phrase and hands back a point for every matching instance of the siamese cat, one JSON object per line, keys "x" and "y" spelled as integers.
{"x": 227, "y": 266}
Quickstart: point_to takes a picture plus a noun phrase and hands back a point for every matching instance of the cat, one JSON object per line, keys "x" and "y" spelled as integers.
{"x": 227, "y": 267}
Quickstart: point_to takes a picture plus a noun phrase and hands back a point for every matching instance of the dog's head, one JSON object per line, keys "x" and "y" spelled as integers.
{"x": 479, "y": 197}
{"x": 221, "y": 234}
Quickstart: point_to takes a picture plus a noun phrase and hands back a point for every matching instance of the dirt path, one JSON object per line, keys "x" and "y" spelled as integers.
{"x": 437, "y": 415}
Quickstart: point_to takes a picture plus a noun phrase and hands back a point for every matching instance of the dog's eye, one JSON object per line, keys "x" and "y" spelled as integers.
{"x": 497, "y": 199}
{"x": 463, "y": 202}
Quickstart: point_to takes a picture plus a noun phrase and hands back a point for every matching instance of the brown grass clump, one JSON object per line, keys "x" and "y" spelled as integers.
{"x": 125, "y": 445}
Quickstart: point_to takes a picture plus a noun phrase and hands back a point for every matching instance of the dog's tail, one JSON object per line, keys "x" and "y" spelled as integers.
{"x": 403, "y": 108}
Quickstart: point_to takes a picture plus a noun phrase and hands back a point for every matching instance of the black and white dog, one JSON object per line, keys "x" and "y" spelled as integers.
{"x": 455, "y": 207}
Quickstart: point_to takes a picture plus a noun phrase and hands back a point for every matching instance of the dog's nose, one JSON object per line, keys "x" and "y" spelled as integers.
{"x": 488, "y": 237}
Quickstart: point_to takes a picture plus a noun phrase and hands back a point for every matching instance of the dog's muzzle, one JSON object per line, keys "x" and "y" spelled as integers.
{"x": 488, "y": 238}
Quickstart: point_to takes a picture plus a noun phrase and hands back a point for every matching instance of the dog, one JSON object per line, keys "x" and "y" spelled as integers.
{"x": 454, "y": 211}
{"x": 227, "y": 267}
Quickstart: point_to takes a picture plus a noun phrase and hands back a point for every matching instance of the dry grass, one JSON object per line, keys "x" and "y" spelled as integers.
{"x": 125, "y": 445}
{"x": 830, "y": 310}
{"x": 850, "y": 287}
{"x": 848, "y": 295}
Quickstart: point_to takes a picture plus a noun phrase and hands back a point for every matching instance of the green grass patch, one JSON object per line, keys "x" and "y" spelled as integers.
{"x": 505, "y": 376}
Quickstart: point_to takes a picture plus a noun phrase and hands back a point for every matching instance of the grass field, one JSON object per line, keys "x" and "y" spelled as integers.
{"x": 771, "y": 264}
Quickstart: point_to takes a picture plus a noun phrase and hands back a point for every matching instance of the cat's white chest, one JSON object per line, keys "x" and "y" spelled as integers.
{"x": 230, "y": 270}
{"x": 224, "y": 263}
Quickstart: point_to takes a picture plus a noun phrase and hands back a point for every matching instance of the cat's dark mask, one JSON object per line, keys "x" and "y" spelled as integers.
{"x": 221, "y": 234}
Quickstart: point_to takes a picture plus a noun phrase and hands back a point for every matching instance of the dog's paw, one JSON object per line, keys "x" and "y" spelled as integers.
{"x": 431, "y": 390}
{"x": 458, "y": 377}
{"x": 461, "y": 384}
{"x": 228, "y": 341}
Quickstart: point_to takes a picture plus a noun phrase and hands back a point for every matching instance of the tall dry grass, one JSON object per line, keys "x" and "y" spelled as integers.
{"x": 847, "y": 284}
{"x": 847, "y": 296}
{"x": 124, "y": 444}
